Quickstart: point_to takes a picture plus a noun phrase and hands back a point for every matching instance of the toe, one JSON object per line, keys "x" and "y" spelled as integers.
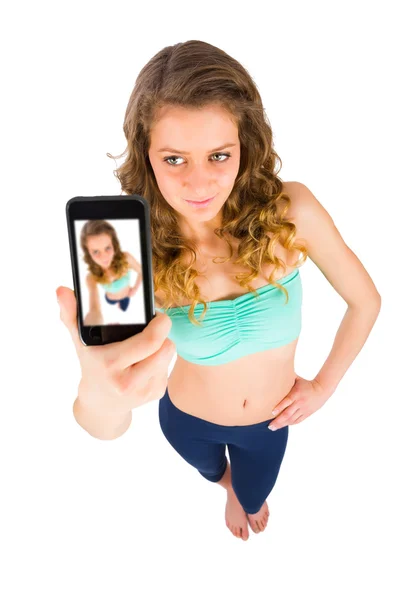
{"x": 258, "y": 522}
{"x": 252, "y": 524}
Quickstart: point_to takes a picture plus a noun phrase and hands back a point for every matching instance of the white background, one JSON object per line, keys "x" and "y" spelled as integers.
{"x": 88, "y": 519}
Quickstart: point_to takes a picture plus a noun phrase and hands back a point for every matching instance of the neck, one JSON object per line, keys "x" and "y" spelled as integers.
{"x": 202, "y": 234}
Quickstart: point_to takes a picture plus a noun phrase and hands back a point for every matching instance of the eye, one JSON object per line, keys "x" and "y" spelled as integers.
{"x": 226, "y": 154}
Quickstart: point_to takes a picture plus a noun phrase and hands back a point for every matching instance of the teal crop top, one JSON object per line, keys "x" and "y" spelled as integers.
{"x": 234, "y": 328}
{"x": 118, "y": 284}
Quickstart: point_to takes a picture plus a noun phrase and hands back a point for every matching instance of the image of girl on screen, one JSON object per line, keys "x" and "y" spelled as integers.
{"x": 109, "y": 267}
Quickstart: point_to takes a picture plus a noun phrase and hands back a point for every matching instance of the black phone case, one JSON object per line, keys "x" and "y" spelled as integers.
{"x": 112, "y": 207}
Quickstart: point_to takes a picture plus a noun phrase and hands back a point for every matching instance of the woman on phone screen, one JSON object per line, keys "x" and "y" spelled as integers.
{"x": 109, "y": 267}
{"x": 229, "y": 239}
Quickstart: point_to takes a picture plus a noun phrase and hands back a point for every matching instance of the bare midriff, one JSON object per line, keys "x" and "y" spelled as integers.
{"x": 241, "y": 392}
{"x": 122, "y": 293}
{"x": 246, "y": 390}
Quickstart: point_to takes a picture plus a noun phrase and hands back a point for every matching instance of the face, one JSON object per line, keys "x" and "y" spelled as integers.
{"x": 101, "y": 249}
{"x": 192, "y": 168}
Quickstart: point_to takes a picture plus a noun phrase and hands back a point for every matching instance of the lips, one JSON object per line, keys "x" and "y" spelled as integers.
{"x": 199, "y": 201}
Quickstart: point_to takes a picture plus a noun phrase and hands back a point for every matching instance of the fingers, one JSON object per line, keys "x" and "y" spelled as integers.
{"x": 124, "y": 354}
{"x": 119, "y": 356}
{"x": 282, "y": 405}
{"x": 68, "y": 314}
{"x": 287, "y": 418}
{"x": 146, "y": 376}
{"x": 298, "y": 418}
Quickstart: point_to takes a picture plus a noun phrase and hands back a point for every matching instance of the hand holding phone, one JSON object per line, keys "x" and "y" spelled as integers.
{"x": 119, "y": 376}
{"x": 110, "y": 242}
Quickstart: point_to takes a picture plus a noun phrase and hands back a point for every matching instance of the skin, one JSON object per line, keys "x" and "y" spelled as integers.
{"x": 198, "y": 177}
{"x": 204, "y": 175}
{"x": 102, "y": 252}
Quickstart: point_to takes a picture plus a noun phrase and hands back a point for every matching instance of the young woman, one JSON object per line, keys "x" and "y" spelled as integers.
{"x": 109, "y": 267}
{"x": 227, "y": 271}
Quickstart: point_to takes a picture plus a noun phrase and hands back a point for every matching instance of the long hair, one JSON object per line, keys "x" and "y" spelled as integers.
{"x": 119, "y": 262}
{"x": 195, "y": 74}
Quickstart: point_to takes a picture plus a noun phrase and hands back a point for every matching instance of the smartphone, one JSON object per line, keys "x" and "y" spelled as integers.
{"x": 111, "y": 257}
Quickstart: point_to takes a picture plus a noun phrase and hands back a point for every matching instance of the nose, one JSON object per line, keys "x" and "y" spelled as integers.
{"x": 198, "y": 182}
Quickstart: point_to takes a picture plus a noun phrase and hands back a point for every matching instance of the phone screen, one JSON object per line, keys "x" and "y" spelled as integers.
{"x": 110, "y": 245}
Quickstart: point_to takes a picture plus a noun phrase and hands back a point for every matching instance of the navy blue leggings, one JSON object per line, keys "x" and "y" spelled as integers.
{"x": 123, "y": 303}
{"x": 255, "y": 452}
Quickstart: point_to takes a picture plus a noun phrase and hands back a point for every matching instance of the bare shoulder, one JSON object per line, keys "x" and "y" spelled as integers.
{"x": 327, "y": 249}
{"x": 133, "y": 263}
{"x": 295, "y": 190}
{"x": 305, "y": 210}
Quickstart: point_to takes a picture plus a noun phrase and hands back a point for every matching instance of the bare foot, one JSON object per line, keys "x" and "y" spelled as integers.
{"x": 258, "y": 521}
{"x": 235, "y": 517}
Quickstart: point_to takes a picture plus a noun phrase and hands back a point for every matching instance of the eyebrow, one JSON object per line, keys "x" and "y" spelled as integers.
{"x": 185, "y": 152}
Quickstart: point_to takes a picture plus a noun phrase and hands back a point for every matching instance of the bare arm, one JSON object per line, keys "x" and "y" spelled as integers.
{"x": 94, "y": 316}
{"x": 347, "y": 275}
{"x": 135, "y": 266}
{"x": 102, "y": 427}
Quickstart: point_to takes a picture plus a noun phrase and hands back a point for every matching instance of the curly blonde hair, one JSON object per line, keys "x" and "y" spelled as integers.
{"x": 119, "y": 264}
{"x": 195, "y": 74}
